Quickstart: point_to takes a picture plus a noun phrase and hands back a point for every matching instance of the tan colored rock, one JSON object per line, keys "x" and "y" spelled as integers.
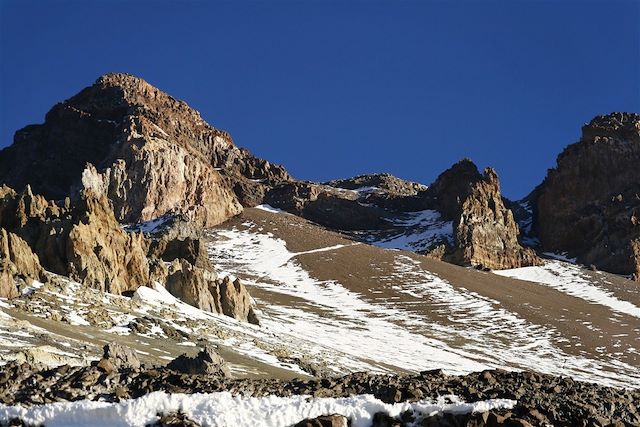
{"x": 486, "y": 232}
{"x": 162, "y": 177}
{"x": 99, "y": 253}
{"x": 191, "y": 284}
{"x": 83, "y": 242}
{"x": 17, "y": 263}
{"x": 201, "y": 288}
{"x": 235, "y": 300}
{"x": 158, "y": 153}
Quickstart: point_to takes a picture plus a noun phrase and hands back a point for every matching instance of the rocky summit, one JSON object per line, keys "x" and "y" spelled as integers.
{"x": 153, "y": 272}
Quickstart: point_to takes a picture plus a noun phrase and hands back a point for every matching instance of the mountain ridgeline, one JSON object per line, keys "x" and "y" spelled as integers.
{"x": 123, "y": 152}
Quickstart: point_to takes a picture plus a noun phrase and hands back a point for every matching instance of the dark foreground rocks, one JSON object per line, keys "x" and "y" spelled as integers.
{"x": 541, "y": 399}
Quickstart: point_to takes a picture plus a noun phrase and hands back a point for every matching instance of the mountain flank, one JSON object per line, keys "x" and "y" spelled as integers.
{"x": 155, "y": 156}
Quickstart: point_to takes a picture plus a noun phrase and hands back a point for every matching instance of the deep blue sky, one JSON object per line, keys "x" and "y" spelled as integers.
{"x": 333, "y": 89}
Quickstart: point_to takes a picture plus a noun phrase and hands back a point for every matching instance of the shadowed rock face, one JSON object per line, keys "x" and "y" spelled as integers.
{"x": 485, "y": 232}
{"x": 207, "y": 362}
{"x": 589, "y": 204}
{"x": 155, "y": 153}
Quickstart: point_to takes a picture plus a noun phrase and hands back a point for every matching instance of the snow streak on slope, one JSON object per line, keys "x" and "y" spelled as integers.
{"x": 420, "y": 321}
{"x": 413, "y": 231}
{"x": 223, "y": 410}
{"x": 501, "y": 337}
{"x": 569, "y": 279}
{"x": 331, "y": 314}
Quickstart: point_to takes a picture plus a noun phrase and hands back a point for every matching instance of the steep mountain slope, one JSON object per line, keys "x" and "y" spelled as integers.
{"x": 156, "y": 154}
{"x": 588, "y": 204}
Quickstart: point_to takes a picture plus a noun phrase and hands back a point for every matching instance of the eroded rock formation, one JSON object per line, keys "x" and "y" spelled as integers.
{"x": 84, "y": 241}
{"x": 18, "y": 264}
{"x": 589, "y": 204}
{"x": 202, "y": 288}
{"x": 155, "y": 154}
{"x": 485, "y": 232}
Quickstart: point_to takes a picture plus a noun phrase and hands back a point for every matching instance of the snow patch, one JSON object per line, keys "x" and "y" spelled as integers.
{"x": 572, "y": 281}
{"x": 269, "y": 208}
{"x": 223, "y": 409}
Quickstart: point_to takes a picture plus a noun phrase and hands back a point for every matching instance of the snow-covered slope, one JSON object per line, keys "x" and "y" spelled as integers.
{"x": 329, "y": 304}
{"x": 390, "y": 310}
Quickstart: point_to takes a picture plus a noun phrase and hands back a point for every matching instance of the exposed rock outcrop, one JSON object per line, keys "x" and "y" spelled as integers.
{"x": 235, "y": 300}
{"x": 82, "y": 241}
{"x": 156, "y": 155}
{"x": 486, "y": 234}
{"x": 18, "y": 264}
{"x": 201, "y": 288}
{"x": 117, "y": 357}
{"x": 328, "y": 206}
{"x": 589, "y": 205}
{"x": 207, "y": 362}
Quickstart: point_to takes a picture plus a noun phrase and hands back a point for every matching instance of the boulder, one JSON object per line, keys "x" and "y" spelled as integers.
{"x": 117, "y": 357}
{"x": 325, "y": 421}
{"x": 192, "y": 285}
{"x": 235, "y": 300}
{"x": 201, "y": 288}
{"x": 207, "y": 361}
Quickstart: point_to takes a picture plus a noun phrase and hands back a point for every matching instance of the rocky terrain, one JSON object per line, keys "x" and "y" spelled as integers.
{"x": 541, "y": 399}
{"x": 588, "y": 204}
{"x": 83, "y": 241}
{"x": 155, "y": 153}
{"x": 145, "y": 258}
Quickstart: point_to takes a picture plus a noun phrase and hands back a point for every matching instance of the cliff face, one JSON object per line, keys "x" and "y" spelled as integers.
{"x": 155, "y": 153}
{"x": 589, "y": 204}
{"x": 485, "y": 232}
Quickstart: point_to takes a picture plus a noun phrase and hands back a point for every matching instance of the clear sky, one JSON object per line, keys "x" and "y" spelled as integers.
{"x": 337, "y": 88}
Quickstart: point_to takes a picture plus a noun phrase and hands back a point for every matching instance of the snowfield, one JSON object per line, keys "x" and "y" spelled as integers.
{"x": 223, "y": 410}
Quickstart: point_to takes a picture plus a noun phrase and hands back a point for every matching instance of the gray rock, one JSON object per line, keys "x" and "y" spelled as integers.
{"x": 117, "y": 356}
{"x": 205, "y": 362}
